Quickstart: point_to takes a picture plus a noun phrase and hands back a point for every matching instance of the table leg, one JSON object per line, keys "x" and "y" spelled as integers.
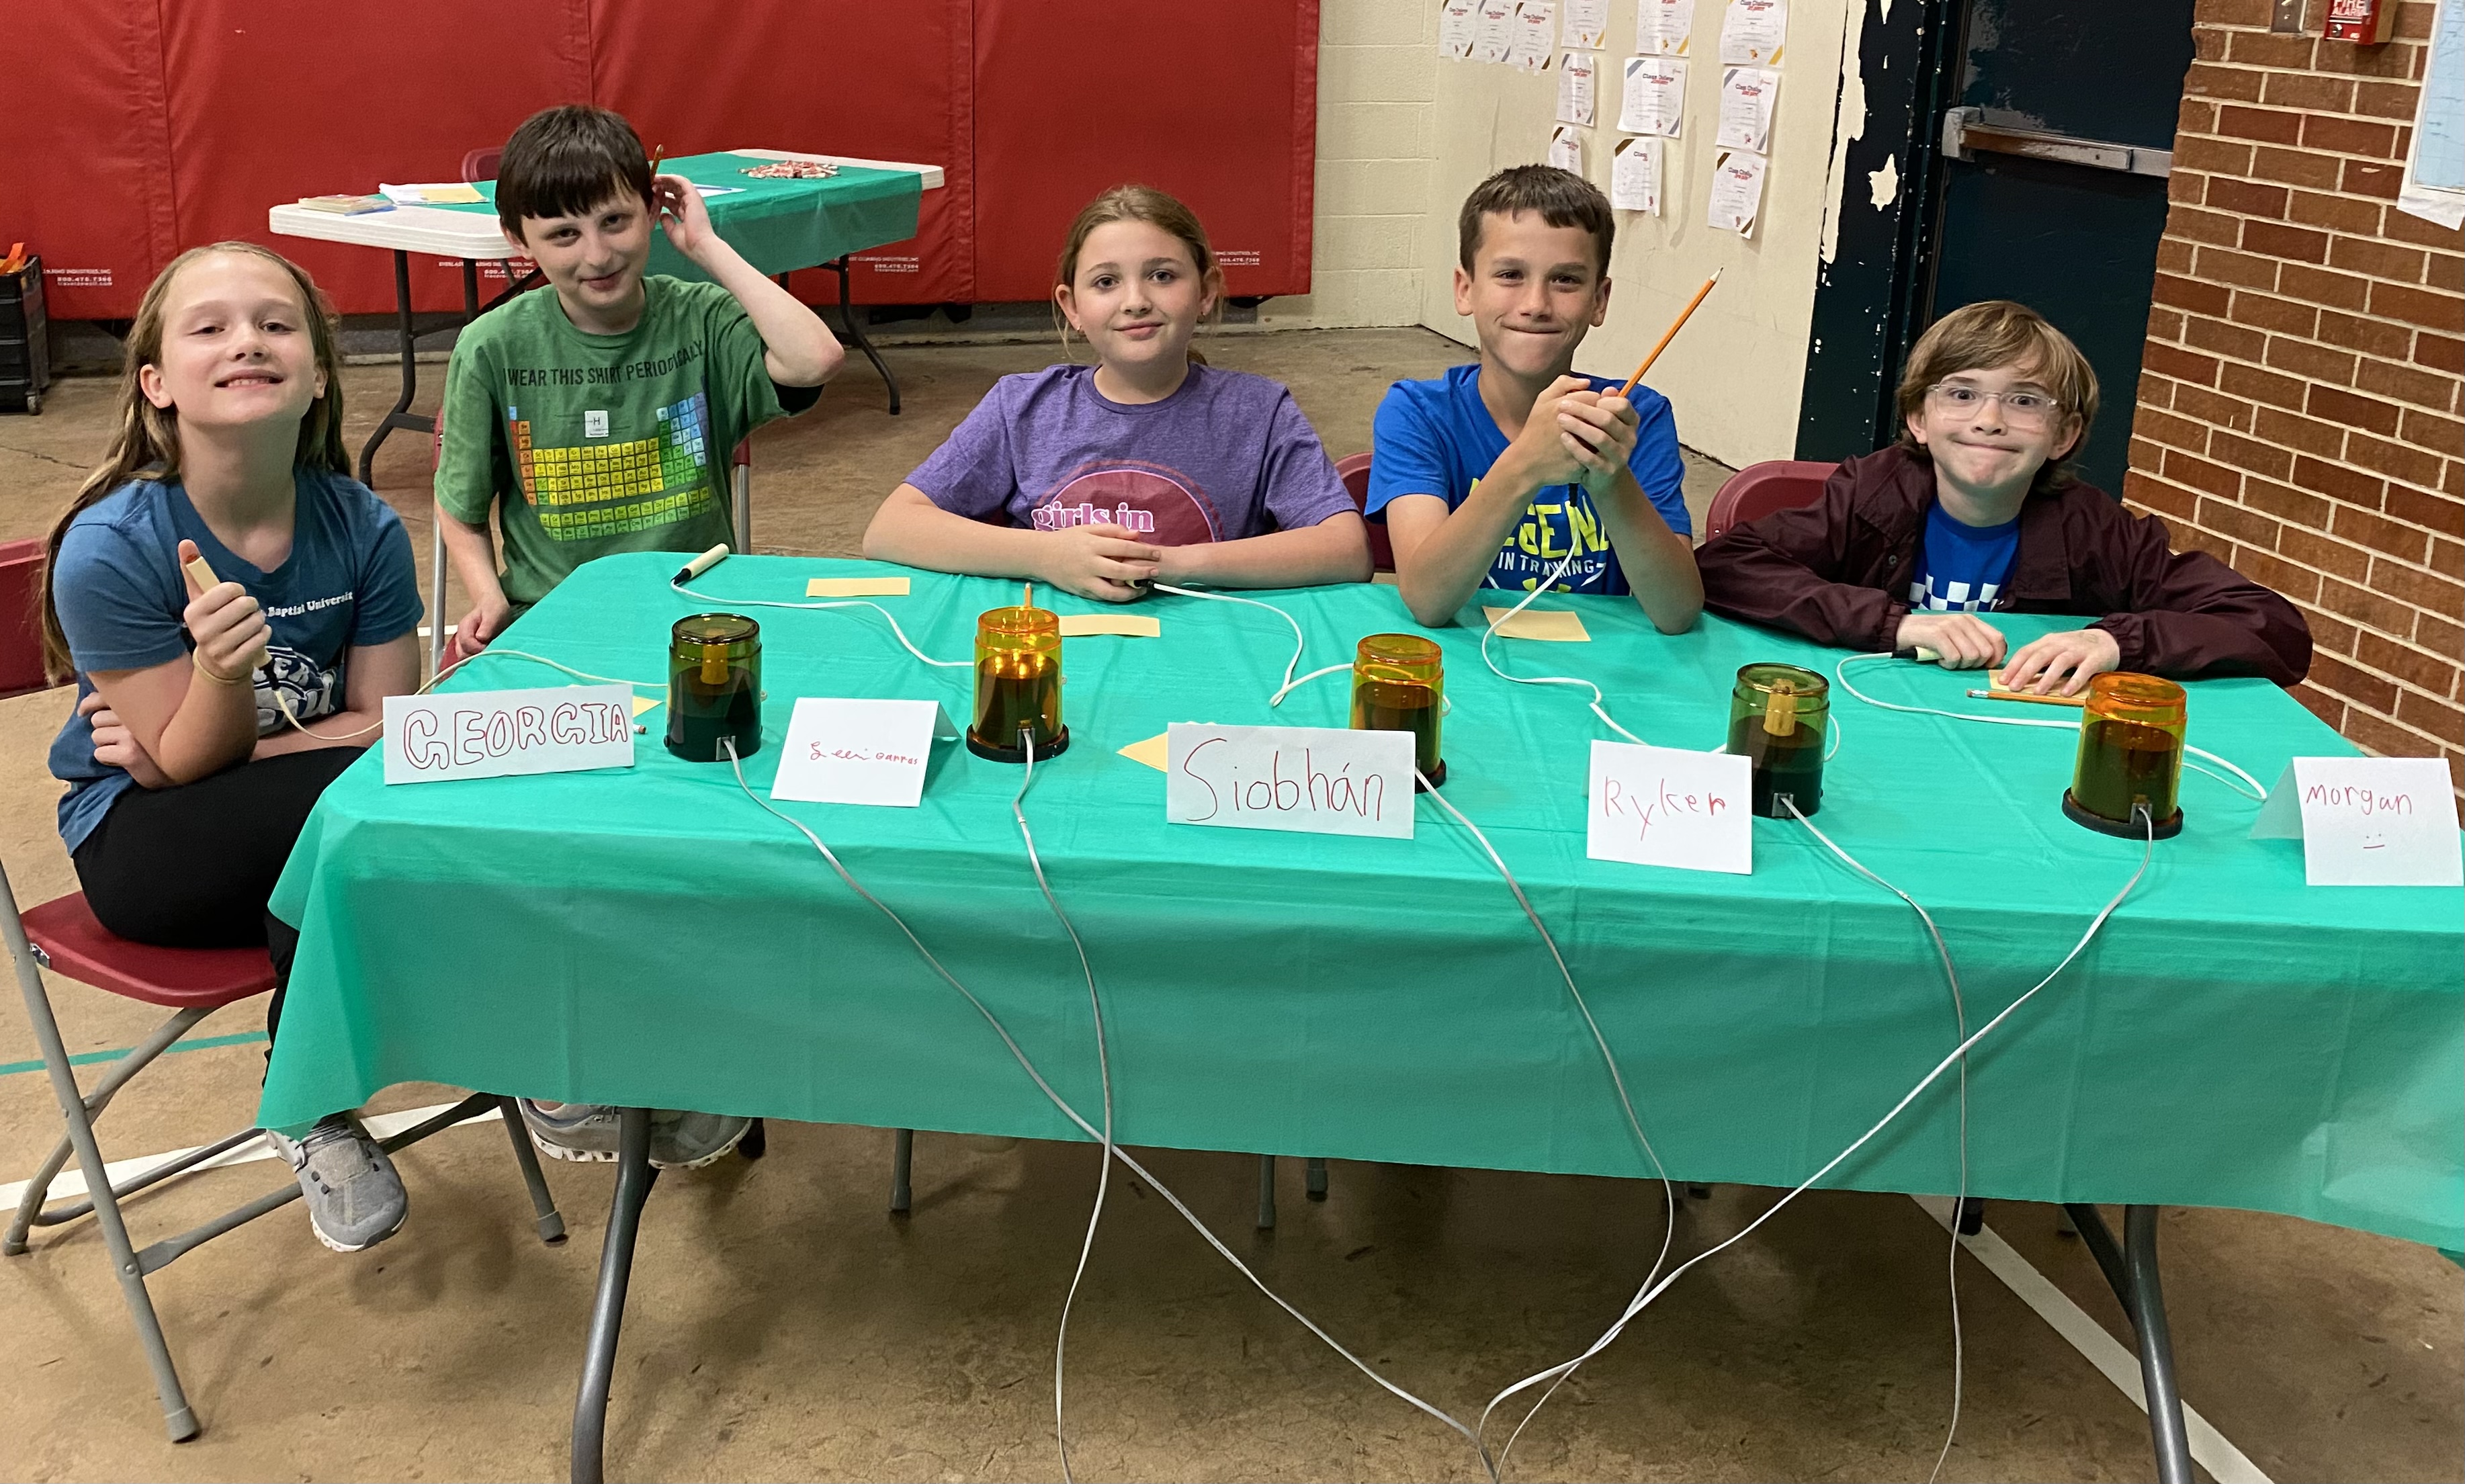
{"x": 2131, "y": 1272}
{"x": 634, "y": 1178}
{"x": 400, "y": 414}
{"x": 856, "y": 332}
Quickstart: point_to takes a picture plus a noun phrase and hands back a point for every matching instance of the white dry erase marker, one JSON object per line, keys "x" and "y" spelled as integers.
{"x": 700, "y": 563}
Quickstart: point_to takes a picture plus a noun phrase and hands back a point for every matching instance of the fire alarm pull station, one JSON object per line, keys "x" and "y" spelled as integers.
{"x": 2362, "y": 22}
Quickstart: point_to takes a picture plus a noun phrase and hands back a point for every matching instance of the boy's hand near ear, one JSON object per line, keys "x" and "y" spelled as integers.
{"x": 2080, "y": 654}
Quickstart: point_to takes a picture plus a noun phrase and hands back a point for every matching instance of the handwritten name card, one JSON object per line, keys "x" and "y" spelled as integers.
{"x": 496, "y": 734}
{"x": 841, "y": 751}
{"x": 1312, "y": 780}
{"x": 1664, "y": 807}
{"x": 2367, "y": 821}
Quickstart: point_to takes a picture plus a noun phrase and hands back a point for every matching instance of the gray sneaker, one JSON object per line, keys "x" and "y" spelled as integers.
{"x": 355, "y": 1199}
{"x": 591, "y": 1133}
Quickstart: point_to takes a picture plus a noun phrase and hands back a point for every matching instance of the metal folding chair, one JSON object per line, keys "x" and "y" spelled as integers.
{"x": 191, "y": 982}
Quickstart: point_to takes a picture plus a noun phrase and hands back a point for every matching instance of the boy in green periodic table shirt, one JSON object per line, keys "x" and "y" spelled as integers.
{"x": 598, "y": 419}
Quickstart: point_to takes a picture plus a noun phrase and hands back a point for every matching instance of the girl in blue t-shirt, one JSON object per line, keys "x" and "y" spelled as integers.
{"x": 211, "y": 715}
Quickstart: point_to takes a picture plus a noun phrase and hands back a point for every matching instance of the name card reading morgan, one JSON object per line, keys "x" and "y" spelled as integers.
{"x": 1310, "y": 779}
{"x": 858, "y": 751}
{"x": 493, "y": 734}
{"x": 1664, "y": 807}
{"x": 2367, "y": 821}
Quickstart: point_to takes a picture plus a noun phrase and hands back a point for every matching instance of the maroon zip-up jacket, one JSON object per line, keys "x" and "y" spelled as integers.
{"x": 1837, "y": 571}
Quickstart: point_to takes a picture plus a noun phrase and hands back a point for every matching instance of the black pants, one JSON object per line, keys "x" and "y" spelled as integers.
{"x": 191, "y": 867}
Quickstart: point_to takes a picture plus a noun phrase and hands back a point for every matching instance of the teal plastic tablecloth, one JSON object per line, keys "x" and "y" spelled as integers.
{"x": 649, "y": 935}
{"x": 779, "y": 224}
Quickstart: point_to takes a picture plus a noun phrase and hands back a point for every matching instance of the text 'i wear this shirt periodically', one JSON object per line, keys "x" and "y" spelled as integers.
{"x": 1227, "y": 457}
{"x": 348, "y": 583}
{"x": 1438, "y": 438}
{"x": 1963, "y": 568}
{"x": 600, "y": 443}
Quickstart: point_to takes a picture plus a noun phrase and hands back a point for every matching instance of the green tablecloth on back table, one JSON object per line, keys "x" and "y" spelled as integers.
{"x": 779, "y": 224}
{"x": 651, "y": 937}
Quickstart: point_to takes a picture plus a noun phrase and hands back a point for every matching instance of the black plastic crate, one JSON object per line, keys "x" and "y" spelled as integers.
{"x": 25, "y": 343}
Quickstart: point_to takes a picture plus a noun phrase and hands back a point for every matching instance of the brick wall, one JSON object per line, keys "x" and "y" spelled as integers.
{"x": 2300, "y": 399}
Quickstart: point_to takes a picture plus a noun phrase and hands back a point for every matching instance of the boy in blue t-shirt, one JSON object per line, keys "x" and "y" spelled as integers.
{"x": 1493, "y": 475}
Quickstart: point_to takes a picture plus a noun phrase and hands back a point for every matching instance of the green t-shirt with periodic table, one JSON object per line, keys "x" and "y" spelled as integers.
{"x": 600, "y": 443}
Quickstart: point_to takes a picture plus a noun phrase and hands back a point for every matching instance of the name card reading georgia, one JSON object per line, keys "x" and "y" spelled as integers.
{"x": 1311, "y": 779}
{"x": 490, "y": 734}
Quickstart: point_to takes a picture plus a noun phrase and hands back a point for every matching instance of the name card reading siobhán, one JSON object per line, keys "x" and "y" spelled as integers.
{"x": 1665, "y": 806}
{"x": 491, "y": 734}
{"x": 2367, "y": 821}
{"x": 1311, "y": 779}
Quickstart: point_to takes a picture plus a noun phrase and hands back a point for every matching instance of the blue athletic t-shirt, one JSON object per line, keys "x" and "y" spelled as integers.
{"x": 349, "y": 581}
{"x": 1963, "y": 568}
{"x": 1436, "y": 437}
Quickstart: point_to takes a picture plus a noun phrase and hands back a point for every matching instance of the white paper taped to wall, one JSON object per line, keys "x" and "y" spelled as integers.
{"x": 1746, "y": 97}
{"x": 1663, "y": 27}
{"x": 1584, "y": 23}
{"x": 1635, "y": 175}
{"x": 1578, "y": 88}
{"x": 1752, "y": 32}
{"x": 1566, "y": 148}
{"x": 1737, "y": 192}
{"x": 1655, "y": 96}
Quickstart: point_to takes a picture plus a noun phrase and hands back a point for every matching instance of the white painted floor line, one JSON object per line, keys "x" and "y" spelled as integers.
{"x": 72, "y": 1180}
{"x": 2209, "y": 1447}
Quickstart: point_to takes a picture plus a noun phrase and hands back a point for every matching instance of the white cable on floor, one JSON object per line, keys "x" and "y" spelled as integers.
{"x": 1840, "y": 671}
{"x": 896, "y": 631}
{"x": 1019, "y": 1055}
{"x": 1104, "y": 1067}
{"x": 1645, "y": 1299}
{"x": 1960, "y": 1011}
{"x": 1669, "y": 1194}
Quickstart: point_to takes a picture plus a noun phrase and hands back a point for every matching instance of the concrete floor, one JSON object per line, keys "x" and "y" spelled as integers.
{"x": 784, "y": 1326}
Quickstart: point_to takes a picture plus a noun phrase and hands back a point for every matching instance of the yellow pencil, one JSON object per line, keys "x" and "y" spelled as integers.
{"x": 2029, "y": 696}
{"x": 1683, "y": 314}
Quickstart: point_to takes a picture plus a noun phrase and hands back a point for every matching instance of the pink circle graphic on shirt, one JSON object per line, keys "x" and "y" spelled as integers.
{"x": 1160, "y": 505}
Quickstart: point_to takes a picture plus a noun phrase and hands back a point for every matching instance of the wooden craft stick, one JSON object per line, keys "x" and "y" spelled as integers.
{"x": 1683, "y": 314}
{"x": 201, "y": 574}
{"x": 2030, "y": 696}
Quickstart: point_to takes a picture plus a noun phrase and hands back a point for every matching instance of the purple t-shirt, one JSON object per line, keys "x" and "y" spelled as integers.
{"x": 1227, "y": 457}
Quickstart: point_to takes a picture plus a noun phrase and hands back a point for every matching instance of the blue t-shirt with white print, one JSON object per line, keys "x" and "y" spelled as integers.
{"x": 348, "y": 582}
{"x": 1436, "y": 437}
{"x": 1963, "y": 568}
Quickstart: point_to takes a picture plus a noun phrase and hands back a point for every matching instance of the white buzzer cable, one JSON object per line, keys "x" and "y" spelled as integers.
{"x": 1300, "y": 641}
{"x": 1104, "y": 1068}
{"x": 1840, "y": 671}
{"x": 1957, "y": 1052}
{"x": 1668, "y": 1195}
{"x": 1019, "y": 1055}
{"x": 898, "y": 632}
{"x": 1960, "y": 1011}
{"x": 293, "y": 717}
{"x": 1490, "y": 632}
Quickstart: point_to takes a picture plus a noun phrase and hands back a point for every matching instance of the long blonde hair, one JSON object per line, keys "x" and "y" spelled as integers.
{"x": 1134, "y": 202}
{"x": 147, "y": 445}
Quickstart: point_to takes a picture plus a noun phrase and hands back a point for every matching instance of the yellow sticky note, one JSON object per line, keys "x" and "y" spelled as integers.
{"x": 1130, "y": 626}
{"x": 1153, "y": 752}
{"x": 1557, "y": 624}
{"x": 855, "y": 587}
{"x": 642, "y": 702}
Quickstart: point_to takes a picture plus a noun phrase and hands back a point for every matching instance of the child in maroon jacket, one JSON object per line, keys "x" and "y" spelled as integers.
{"x": 1977, "y": 510}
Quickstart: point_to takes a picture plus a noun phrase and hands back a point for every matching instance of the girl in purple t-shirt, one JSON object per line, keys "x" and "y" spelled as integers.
{"x": 1149, "y": 466}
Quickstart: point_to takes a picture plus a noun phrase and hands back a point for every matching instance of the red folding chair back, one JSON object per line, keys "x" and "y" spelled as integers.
{"x": 481, "y": 164}
{"x": 1757, "y": 490}
{"x": 1354, "y": 468}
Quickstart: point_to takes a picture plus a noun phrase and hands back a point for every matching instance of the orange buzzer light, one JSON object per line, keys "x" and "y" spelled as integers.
{"x": 1399, "y": 684}
{"x": 2130, "y": 757}
{"x": 1779, "y": 720}
{"x": 1018, "y": 685}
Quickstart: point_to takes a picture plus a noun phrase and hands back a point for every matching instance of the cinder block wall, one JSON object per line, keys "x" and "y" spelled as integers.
{"x": 2300, "y": 399}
